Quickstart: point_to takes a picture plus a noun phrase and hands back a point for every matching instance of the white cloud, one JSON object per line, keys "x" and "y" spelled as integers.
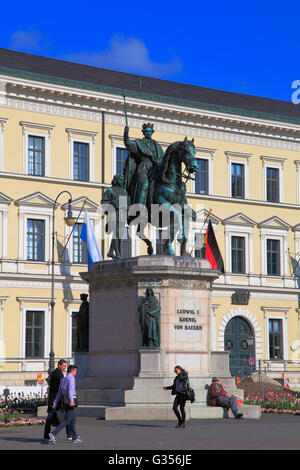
{"x": 27, "y": 41}
{"x": 127, "y": 55}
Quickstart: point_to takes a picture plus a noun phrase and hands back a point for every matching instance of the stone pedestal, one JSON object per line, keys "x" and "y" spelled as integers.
{"x": 126, "y": 380}
{"x": 150, "y": 363}
{"x": 182, "y": 287}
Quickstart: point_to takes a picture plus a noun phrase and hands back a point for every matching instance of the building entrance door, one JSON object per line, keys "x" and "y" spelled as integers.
{"x": 239, "y": 341}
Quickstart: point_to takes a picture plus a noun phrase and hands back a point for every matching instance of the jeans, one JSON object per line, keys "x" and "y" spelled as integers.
{"x": 69, "y": 421}
{"x": 227, "y": 402}
{"x": 179, "y": 401}
{"x": 48, "y": 426}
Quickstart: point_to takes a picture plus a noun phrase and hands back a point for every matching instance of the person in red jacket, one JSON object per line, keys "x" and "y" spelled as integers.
{"x": 218, "y": 397}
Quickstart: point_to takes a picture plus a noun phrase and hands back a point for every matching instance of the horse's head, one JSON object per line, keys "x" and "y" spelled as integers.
{"x": 176, "y": 154}
{"x": 187, "y": 155}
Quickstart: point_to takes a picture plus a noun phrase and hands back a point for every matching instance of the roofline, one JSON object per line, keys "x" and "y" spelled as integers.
{"x": 144, "y": 95}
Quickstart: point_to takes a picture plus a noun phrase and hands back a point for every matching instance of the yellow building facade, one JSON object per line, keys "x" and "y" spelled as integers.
{"x": 59, "y": 133}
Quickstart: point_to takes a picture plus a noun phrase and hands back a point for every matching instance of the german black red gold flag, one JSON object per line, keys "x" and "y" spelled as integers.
{"x": 212, "y": 252}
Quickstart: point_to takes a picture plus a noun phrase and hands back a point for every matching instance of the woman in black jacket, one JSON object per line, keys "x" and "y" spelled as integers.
{"x": 179, "y": 389}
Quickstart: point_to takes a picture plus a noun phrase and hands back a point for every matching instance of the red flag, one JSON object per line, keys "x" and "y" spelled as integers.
{"x": 212, "y": 252}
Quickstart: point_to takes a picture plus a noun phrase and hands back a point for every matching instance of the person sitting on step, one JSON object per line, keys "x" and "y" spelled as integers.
{"x": 218, "y": 397}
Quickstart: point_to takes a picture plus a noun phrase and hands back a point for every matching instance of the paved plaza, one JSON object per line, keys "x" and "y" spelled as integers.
{"x": 271, "y": 432}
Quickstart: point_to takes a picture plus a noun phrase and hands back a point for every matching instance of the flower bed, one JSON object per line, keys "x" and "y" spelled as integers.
{"x": 279, "y": 403}
{"x": 11, "y": 418}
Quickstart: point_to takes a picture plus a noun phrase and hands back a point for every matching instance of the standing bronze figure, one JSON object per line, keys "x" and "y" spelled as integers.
{"x": 82, "y": 325}
{"x": 149, "y": 311}
{"x": 116, "y": 222}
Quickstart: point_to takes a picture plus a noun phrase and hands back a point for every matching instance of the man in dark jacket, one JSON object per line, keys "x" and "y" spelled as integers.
{"x": 179, "y": 388}
{"x": 218, "y": 397}
{"x": 54, "y": 383}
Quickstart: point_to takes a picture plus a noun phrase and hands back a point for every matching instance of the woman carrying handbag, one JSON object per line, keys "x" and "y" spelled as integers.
{"x": 183, "y": 392}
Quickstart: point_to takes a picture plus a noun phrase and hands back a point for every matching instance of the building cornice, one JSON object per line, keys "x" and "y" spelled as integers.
{"x": 94, "y": 102}
{"x": 45, "y": 81}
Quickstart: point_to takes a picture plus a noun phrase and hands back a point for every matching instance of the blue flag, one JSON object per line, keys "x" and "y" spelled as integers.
{"x": 88, "y": 236}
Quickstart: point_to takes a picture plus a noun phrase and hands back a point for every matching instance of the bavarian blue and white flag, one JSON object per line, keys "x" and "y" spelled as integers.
{"x": 87, "y": 234}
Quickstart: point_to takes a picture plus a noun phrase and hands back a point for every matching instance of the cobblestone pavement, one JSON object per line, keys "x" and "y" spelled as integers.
{"x": 271, "y": 432}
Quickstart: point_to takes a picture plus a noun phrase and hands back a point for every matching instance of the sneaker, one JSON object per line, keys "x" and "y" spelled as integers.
{"x": 77, "y": 440}
{"x": 183, "y": 425}
{"x": 238, "y": 415}
{"x": 52, "y": 438}
{"x": 178, "y": 425}
{"x": 69, "y": 438}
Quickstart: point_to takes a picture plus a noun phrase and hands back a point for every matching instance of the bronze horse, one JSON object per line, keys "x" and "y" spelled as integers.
{"x": 167, "y": 190}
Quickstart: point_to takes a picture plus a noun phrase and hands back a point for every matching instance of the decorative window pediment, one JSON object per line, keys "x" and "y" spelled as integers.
{"x": 202, "y": 215}
{"x": 77, "y": 205}
{"x": 35, "y": 199}
{"x": 274, "y": 223}
{"x": 238, "y": 219}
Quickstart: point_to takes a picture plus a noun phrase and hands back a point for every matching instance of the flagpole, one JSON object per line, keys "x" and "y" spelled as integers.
{"x": 125, "y": 110}
{"x": 209, "y": 213}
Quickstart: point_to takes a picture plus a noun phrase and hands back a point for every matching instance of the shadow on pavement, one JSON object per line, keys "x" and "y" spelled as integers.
{"x": 21, "y": 439}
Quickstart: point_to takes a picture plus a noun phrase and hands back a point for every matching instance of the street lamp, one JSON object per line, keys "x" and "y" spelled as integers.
{"x": 69, "y": 220}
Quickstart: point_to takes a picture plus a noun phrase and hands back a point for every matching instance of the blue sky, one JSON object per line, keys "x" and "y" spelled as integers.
{"x": 250, "y": 48}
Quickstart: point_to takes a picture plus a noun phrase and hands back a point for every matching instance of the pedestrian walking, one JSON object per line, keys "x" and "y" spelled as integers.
{"x": 179, "y": 389}
{"x": 66, "y": 397}
{"x": 55, "y": 378}
{"x": 218, "y": 397}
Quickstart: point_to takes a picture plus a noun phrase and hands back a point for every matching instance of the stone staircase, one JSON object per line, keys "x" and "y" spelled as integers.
{"x": 148, "y": 401}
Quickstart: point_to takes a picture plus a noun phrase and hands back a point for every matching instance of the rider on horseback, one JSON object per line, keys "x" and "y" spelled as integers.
{"x": 145, "y": 155}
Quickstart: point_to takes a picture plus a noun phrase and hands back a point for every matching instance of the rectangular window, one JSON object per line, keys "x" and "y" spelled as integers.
{"x": 36, "y": 155}
{"x": 273, "y": 184}
{"x": 200, "y": 249}
{"x": 273, "y": 257}
{"x": 237, "y": 180}
{"x": 121, "y": 157}
{"x": 34, "y": 346}
{"x": 79, "y": 246}
{"x": 201, "y": 177}
{"x": 35, "y": 240}
{"x": 238, "y": 254}
{"x": 125, "y": 244}
{"x": 275, "y": 339}
{"x": 81, "y": 161}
